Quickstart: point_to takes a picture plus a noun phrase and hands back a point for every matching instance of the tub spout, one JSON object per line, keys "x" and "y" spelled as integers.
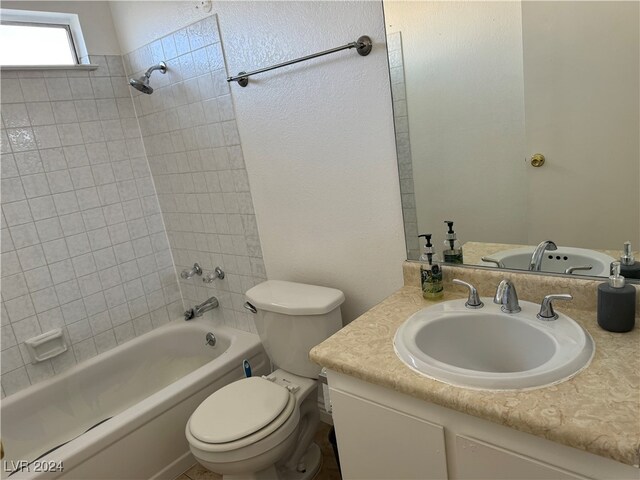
{"x": 199, "y": 310}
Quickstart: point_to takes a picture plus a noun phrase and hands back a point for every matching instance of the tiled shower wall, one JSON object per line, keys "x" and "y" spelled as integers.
{"x": 84, "y": 247}
{"x": 403, "y": 144}
{"x": 193, "y": 146}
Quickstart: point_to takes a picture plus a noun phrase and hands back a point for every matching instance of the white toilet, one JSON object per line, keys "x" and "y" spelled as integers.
{"x": 263, "y": 427}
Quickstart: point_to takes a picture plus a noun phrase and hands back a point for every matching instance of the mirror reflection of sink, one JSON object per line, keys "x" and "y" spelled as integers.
{"x": 557, "y": 261}
{"x": 489, "y": 349}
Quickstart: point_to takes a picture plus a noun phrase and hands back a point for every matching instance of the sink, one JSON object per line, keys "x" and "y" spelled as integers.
{"x": 556, "y": 261}
{"x": 488, "y": 349}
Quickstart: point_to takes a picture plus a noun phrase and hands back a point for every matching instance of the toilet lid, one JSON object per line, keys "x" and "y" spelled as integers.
{"x": 237, "y": 410}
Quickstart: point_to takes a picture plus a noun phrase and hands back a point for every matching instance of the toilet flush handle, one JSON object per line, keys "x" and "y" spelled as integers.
{"x": 250, "y": 307}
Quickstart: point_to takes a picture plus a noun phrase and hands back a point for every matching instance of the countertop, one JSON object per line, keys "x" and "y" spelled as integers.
{"x": 598, "y": 410}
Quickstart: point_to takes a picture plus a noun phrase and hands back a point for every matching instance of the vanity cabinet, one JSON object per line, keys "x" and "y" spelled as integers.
{"x": 383, "y": 434}
{"x": 377, "y": 442}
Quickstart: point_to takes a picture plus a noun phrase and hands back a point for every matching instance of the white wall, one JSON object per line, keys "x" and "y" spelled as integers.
{"x": 95, "y": 19}
{"x": 318, "y": 138}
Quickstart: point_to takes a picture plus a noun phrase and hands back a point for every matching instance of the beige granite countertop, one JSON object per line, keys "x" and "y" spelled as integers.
{"x": 598, "y": 410}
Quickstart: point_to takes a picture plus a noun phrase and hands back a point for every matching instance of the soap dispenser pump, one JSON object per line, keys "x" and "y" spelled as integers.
{"x": 452, "y": 250}
{"x": 629, "y": 268}
{"x": 430, "y": 272}
{"x": 616, "y": 303}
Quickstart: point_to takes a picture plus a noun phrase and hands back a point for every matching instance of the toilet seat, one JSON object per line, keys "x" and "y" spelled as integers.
{"x": 224, "y": 423}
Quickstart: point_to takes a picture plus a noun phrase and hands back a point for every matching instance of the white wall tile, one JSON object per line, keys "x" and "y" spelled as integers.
{"x": 49, "y": 229}
{"x": 79, "y": 331}
{"x": 85, "y": 350}
{"x": 15, "y": 380}
{"x": 45, "y": 299}
{"x": 42, "y": 207}
{"x": 55, "y": 251}
{"x": 7, "y": 338}
{"x": 28, "y": 162}
{"x": 14, "y": 286}
{"x": 39, "y": 371}
{"x": 51, "y": 319}
{"x": 68, "y": 291}
{"x": 83, "y": 215}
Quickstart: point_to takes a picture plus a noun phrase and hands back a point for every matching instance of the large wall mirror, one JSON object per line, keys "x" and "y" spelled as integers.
{"x": 482, "y": 91}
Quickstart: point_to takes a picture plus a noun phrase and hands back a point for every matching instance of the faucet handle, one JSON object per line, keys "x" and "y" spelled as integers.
{"x": 474, "y": 299}
{"x": 498, "y": 263}
{"x": 578, "y": 267}
{"x": 187, "y": 274}
{"x": 211, "y": 276}
{"x": 546, "y": 307}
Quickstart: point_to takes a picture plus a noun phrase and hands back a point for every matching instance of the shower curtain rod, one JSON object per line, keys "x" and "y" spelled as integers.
{"x": 362, "y": 46}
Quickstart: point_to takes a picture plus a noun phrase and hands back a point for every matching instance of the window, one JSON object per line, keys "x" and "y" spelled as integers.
{"x": 39, "y": 44}
{"x": 32, "y": 39}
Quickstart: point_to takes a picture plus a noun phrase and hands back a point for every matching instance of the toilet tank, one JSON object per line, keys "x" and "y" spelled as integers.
{"x": 292, "y": 318}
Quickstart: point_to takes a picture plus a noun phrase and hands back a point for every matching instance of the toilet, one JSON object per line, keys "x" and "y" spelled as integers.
{"x": 263, "y": 427}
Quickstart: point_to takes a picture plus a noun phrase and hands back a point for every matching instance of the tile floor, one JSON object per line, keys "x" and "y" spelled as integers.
{"x": 328, "y": 471}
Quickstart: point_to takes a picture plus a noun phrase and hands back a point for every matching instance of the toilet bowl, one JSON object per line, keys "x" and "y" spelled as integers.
{"x": 263, "y": 427}
{"x": 249, "y": 426}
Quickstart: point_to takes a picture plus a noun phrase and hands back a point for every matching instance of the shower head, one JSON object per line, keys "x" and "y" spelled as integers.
{"x": 142, "y": 83}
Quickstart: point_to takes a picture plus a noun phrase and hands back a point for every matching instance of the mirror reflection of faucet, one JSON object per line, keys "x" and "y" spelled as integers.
{"x": 498, "y": 263}
{"x": 578, "y": 268}
{"x": 538, "y": 253}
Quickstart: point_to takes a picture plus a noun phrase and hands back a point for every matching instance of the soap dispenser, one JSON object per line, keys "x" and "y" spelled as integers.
{"x": 452, "y": 250}
{"x": 430, "y": 272}
{"x": 629, "y": 268}
{"x": 616, "y": 303}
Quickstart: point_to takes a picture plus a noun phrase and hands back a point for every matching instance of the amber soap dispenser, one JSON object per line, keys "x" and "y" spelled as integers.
{"x": 616, "y": 303}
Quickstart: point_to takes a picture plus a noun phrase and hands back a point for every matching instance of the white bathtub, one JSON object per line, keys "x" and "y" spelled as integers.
{"x": 149, "y": 386}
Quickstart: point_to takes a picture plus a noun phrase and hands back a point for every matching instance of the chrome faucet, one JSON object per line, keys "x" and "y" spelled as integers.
{"x": 199, "y": 310}
{"x": 507, "y": 296}
{"x": 538, "y": 253}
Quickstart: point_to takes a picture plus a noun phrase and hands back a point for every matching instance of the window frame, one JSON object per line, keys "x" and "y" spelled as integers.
{"x": 64, "y": 26}
{"x": 69, "y": 21}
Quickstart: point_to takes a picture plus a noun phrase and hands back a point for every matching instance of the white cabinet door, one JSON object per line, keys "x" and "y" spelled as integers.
{"x": 377, "y": 442}
{"x": 477, "y": 460}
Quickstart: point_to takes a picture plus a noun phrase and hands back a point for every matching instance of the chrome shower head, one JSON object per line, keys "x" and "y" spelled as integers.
{"x": 142, "y": 84}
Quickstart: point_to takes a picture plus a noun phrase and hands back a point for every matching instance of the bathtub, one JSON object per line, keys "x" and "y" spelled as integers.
{"x": 123, "y": 412}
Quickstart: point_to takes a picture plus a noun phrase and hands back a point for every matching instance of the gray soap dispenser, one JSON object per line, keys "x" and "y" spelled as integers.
{"x": 629, "y": 268}
{"x": 616, "y": 303}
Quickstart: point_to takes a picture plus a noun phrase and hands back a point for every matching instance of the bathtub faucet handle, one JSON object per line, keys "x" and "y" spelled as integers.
{"x": 218, "y": 273}
{"x": 187, "y": 274}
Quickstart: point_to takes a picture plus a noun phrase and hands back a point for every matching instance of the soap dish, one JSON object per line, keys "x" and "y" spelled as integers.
{"x": 46, "y": 346}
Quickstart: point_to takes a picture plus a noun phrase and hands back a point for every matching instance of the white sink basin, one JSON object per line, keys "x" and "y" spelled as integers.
{"x": 492, "y": 350}
{"x": 556, "y": 261}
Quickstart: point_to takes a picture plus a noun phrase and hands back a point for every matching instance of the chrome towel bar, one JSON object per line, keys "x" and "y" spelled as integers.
{"x": 362, "y": 45}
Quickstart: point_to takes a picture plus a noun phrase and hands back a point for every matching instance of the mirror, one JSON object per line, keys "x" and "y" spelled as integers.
{"x": 480, "y": 88}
